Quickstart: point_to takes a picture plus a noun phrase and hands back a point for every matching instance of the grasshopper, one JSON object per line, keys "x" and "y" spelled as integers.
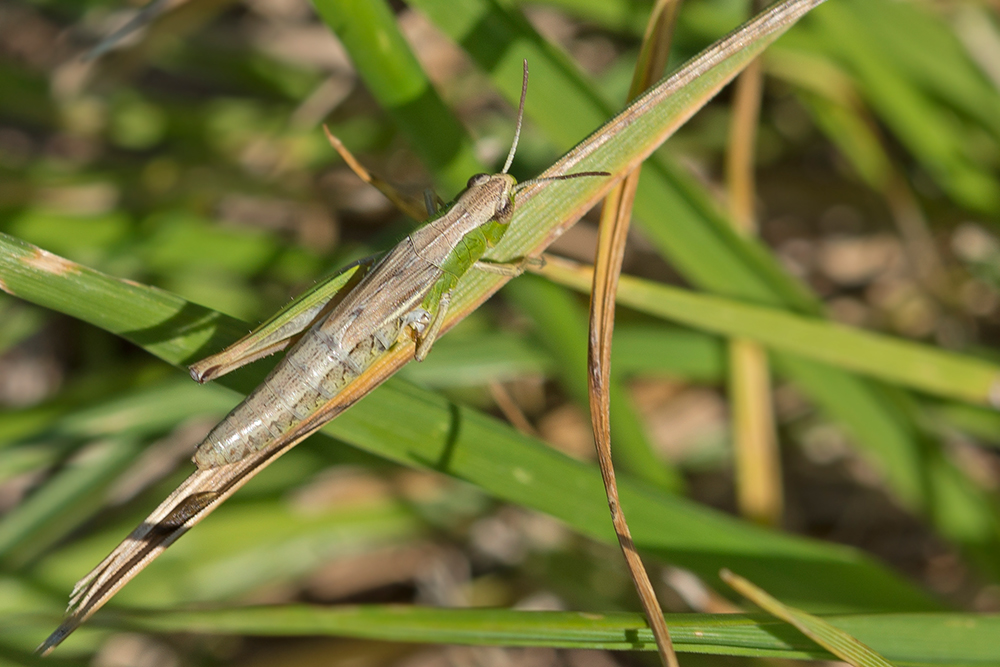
{"x": 335, "y": 331}
{"x": 406, "y": 294}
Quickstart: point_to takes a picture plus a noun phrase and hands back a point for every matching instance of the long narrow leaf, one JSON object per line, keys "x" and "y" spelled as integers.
{"x": 898, "y": 361}
{"x": 904, "y": 639}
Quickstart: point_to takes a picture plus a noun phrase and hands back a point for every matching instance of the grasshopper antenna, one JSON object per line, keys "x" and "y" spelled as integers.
{"x": 562, "y": 177}
{"x": 517, "y": 135}
{"x": 520, "y": 117}
{"x": 143, "y": 17}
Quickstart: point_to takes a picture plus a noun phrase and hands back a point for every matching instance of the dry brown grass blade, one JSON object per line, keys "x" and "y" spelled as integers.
{"x": 755, "y": 447}
{"x": 615, "y": 218}
{"x": 756, "y": 455}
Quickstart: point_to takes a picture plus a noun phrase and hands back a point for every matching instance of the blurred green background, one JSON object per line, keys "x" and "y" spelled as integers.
{"x": 189, "y": 157}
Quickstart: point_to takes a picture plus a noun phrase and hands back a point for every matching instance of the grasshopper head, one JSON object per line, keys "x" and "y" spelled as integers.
{"x": 492, "y": 195}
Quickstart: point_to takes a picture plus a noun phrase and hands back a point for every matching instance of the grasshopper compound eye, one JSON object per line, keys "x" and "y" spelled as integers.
{"x": 478, "y": 179}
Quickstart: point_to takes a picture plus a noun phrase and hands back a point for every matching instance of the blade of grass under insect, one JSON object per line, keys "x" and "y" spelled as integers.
{"x": 905, "y": 639}
{"x": 431, "y": 432}
{"x": 680, "y": 218}
{"x": 907, "y": 363}
{"x": 381, "y": 35}
{"x": 838, "y": 642}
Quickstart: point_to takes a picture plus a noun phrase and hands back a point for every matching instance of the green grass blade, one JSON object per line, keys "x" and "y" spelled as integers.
{"x": 905, "y": 639}
{"x": 902, "y": 362}
{"x": 846, "y": 30}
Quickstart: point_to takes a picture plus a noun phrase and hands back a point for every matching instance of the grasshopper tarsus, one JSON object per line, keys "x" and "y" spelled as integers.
{"x": 201, "y": 376}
